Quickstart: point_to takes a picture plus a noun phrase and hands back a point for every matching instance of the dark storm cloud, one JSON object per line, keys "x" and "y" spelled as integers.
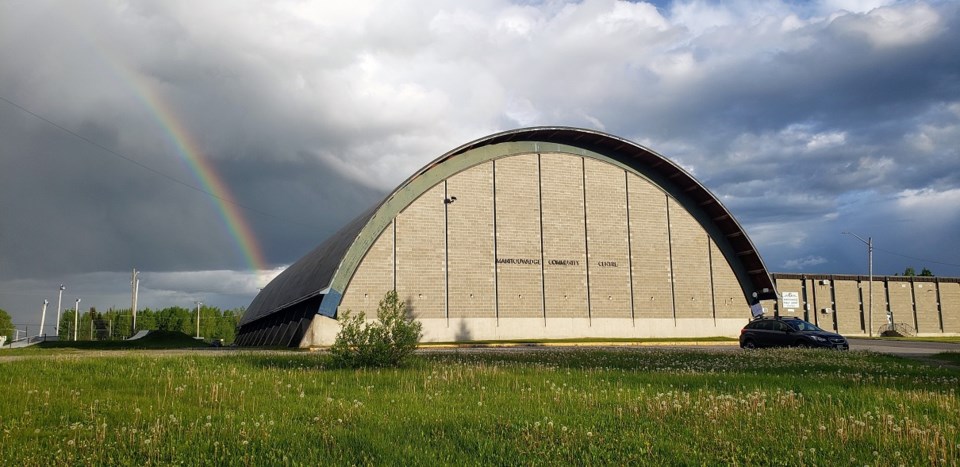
{"x": 806, "y": 119}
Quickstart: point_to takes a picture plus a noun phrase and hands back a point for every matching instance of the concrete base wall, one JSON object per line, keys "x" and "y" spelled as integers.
{"x": 324, "y": 330}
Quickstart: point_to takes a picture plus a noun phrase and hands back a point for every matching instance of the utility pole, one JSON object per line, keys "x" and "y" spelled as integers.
{"x": 59, "y": 298}
{"x": 43, "y": 317}
{"x": 198, "y": 318}
{"x": 76, "y": 319}
{"x": 135, "y": 289}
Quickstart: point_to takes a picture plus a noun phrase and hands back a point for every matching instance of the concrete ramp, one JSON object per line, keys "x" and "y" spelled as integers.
{"x": 138, "y": 335}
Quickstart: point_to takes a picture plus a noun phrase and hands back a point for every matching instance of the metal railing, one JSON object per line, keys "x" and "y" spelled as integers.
{"x": 897, "y": 329}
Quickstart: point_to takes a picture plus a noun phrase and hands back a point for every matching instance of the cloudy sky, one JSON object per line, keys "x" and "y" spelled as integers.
{"x": 805, "y": 118}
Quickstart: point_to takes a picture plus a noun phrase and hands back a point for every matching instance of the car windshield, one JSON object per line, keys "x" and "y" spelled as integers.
{"x": 801, "y": 325}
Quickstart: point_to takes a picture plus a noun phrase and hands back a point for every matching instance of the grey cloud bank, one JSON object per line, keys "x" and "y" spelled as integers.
{"x": 805, "y": 119}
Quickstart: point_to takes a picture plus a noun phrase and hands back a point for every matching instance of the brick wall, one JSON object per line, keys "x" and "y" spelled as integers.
{"x": 373, "y": 278}
{"x": 607, "y": 251}
{"x": 847, "y": 295}
{"x": 691, "y": 266}
{"x": 520, "y": 290}
{"x": 728, "y": 298}
{"x": 470, "y": 233}
{"x": 593, "y": 216}
{"x": 421, "y": 275}
{"x": 650, "y": 246}
{"x": 901, "y": 302}
{"x": 950, "y": 303}
{"x": 928, "y": 318}
{"x": 564, "y": 243}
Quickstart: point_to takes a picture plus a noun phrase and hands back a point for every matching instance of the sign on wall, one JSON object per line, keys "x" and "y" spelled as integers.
{"x": 791, "y": 300}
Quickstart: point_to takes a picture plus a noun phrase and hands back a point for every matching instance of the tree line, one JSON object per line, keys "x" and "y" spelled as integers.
{"x": 117, "y": 324}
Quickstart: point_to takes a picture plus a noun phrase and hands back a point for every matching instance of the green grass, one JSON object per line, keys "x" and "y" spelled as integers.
{"x": 546, "y": 407}
{"x": 153, "y": 340}
{"x": 950, "y": 357}
{"x": 535, "y": 342}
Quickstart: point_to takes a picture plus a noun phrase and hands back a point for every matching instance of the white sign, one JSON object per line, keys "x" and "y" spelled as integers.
{"x": 756, "y": 310}
{"x": 791, "y": 299}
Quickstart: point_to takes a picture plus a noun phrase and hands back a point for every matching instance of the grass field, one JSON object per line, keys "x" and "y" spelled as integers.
{"x": 553, "y": 407}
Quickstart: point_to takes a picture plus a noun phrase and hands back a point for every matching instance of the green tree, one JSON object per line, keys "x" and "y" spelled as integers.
{"x": 909, "y": 272}
{"x": 387, "y": 341}
{"x": 6, "y": 325}
{"x": 926, "y": 272}
{"x": 146, "y": 319}
{"x": 66, "y": 325}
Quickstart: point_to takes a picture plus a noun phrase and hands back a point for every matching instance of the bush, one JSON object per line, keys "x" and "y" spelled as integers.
{"x": 387, "y": 341}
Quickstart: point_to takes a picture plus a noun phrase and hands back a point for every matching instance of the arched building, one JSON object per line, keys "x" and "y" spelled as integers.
{"x": 537, "y": 233}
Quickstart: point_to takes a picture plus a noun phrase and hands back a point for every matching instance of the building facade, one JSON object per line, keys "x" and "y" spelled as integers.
{"x": 924, "y": 306}
{"x": 539, "y": 233}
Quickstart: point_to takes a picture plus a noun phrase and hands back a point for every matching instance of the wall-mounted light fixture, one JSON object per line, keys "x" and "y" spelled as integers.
{"x": 449, "y": 200}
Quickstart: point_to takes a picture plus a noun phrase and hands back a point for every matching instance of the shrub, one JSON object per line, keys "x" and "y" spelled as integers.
{"x": 387, "y": 341}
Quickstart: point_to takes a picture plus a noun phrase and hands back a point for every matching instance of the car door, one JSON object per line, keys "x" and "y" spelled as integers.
{"x": 781, "y": 335}
{"x": 764, "y": 333}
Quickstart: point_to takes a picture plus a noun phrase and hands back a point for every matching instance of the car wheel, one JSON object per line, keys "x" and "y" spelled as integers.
{"x": 749, "y": 344}
{"x": 803, "y": 345}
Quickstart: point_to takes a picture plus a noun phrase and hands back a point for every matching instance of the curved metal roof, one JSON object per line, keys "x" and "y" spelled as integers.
{"x": 328, "y": 269}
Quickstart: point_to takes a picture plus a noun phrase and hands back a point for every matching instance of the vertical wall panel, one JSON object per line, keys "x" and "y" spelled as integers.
{"x": 520, "y": 289}
{"x": 950, "y": 303}
{"x": 790, "y": 285}
{"x": 564, "y": 269}
{"x": 373, "y": 278}
{"x": 607, "y": 249}
{"x": 691, "y": 267}
{"x": 728, "y": 296}
{"x": 847, "y": 295}
{"x": 879, "y": 305}
{"x": 928, "y": 319}
{"x": 650, "y": 245}
{"x": 901, "y": 302}
{"x": 823, "y": 290}
{"x": 421, "y": 271}
{"x": 470, "y": 234}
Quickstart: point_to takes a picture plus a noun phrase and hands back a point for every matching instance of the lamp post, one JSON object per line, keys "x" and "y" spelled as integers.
{"x": 198, "y": 318}
{"x": 869, "y": 243}
{"x": 43, "y": 316}
{"x": 76, "y": 319}
{"x": 135, "y": 290}
{"x": 59, "y": 300}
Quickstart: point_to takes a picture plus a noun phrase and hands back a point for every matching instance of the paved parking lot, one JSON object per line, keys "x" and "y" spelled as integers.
{"x": 903, "y": 347}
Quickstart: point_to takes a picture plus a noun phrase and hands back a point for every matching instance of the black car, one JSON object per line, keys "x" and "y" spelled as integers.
{"x": 788, "y": 332}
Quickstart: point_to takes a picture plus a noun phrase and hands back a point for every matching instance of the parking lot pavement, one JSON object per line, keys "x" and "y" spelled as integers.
{"x": 902, "y": 347}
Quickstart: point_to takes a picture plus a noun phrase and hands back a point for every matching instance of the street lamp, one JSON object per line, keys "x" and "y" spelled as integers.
{"x": 59, "y": 299}
{"x": 76, "y": 319}
{"x": 198, "y": 318}
{"x": 43, "y": 317}
{"x": 869, "y": 243}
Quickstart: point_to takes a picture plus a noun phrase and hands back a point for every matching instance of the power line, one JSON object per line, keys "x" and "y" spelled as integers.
{"x": 148, "y": 168}
{"x": 916, "y": 258}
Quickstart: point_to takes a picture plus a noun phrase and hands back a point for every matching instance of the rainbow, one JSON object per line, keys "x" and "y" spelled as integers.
{"x": 187, "y": 148}
{"x": 190, "y": 152}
